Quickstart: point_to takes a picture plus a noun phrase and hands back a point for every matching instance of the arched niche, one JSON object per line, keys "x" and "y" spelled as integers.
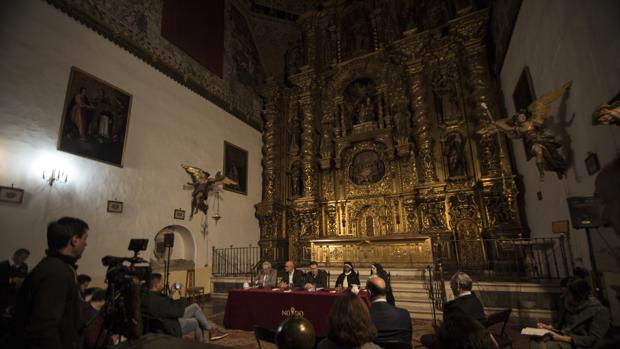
{"x": 182, "y": 254}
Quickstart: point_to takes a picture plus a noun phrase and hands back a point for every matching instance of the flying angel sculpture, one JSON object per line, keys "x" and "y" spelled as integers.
{"x": 529, "y": 125}
{"x": 202, "y": 184}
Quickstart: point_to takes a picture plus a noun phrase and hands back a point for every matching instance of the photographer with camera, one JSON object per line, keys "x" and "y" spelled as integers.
{"x": 175, "y": 317}
{"x": 47, "y": 314}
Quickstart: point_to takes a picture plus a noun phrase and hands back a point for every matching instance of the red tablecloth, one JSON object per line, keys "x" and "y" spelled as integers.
{"x": 264, "y": 307}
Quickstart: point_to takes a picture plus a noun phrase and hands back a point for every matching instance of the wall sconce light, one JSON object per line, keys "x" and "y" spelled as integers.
{"x": 55, "y": 176}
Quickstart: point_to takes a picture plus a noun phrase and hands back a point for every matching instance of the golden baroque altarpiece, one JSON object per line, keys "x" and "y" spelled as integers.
{"x": 370, "y": 147}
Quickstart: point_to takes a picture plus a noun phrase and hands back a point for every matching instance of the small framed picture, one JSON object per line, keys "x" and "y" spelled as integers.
{"x": 12, "y": 195}
{"x": 592, "y": 164}
{"x": 115, "y": 206}
{"x": 179, "y": 214}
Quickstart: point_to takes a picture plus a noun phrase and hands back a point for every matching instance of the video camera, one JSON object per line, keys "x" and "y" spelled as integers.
{"x": 127, "y": 279}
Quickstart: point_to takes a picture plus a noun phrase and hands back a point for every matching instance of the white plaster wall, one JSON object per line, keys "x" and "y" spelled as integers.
{"x": 169, "y": 125}
{"x": 563, "y": 40}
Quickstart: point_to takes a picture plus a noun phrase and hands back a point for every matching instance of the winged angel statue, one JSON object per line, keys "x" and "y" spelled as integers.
{"x": 529, "y": 125}
{"x": 202, "y": 184}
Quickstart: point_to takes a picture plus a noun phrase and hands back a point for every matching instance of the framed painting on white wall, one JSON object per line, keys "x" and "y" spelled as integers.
{"x": 11, "y": 195}
{"x": 95, "y": 119}
{"x": 236, "y": 168}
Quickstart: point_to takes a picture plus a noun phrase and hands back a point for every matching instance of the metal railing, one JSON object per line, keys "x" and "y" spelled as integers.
{"x": 236, "y": 261}
{"x": 533, "y": 259}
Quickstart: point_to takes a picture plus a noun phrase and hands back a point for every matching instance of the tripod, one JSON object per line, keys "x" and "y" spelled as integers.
{"x": 168, "y": 244}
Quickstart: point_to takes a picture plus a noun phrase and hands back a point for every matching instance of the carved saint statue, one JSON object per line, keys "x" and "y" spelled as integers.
{"x": 293, "y": 58}
{"x": 326, "y": 147}
{"x": 529, "y": 125}
{"x": 455, "y": 155}
{"x": 402, "y": 119}
{"x": 446, "y": 100}
{"x": 202, "y": 184}
{"x": 366, "y": 111}
{"x": 296, "y": 179}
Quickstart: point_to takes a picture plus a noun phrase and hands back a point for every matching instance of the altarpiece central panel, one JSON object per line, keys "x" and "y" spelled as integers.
{"x": 370, "y": 146}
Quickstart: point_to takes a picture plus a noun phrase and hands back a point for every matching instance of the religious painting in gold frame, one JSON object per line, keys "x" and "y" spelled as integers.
{"x": 236, "y": 168}
{"x": 95, "y": 119}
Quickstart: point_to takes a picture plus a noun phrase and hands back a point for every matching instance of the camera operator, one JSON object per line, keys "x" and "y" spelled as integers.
{"x": 176, "y": 316}
{"x": 47, "y": 314}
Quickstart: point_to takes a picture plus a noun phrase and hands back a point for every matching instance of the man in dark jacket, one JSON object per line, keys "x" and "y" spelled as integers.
{"x": 316, "y": 278}
{"x": 293, "y": 278}
{"x": 393, "y": 324}
{"x": 13, "y": 271}
{"x": 176, "y": 317}
{"x": 464, "y": 302}
{"x": 47, "y": 314}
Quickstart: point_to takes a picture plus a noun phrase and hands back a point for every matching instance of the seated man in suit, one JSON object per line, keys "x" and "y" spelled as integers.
{"x": 176, "y": 316}
{"x": 266, "y": 277}
{"x": 461, "y": 285}
{"x": 393, "y": 324}
{"x": 293, "y": 278}
{"x": 316, "y": 278}
{"x": 464, "y": 302}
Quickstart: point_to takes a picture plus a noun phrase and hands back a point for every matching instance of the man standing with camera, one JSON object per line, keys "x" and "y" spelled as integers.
{"x": 47, "y": 314}
{"x": 175, "y": 317}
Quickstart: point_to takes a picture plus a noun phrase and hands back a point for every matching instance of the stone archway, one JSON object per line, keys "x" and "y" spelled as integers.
{"x": 182, "y": 255}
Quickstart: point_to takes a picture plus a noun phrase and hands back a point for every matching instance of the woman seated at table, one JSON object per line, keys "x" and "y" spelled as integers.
{"x": 582, "y": 322}
{"x": 349, "y": 325}
{"x": 348, "y": 277}
{"x": 267, "y": 277}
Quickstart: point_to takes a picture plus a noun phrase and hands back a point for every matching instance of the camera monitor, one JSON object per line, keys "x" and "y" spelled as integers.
{"x": 138, "y": 244}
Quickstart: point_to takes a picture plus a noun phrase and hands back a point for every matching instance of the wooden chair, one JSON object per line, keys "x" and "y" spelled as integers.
{"x": 263, "y": 334}
{"x": 502, "y": 317}
{"x": 191, "y": 291}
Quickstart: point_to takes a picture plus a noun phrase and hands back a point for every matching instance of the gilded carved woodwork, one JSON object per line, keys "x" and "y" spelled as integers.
{"x": 380, "y": 146}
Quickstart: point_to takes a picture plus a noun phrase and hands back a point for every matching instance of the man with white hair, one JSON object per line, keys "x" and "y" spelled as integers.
{"x": 293, "y": 278}
{"x": 464, "y": 303}
{"x": 267, "y": 277}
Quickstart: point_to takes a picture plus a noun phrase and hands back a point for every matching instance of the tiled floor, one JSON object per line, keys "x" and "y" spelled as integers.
{"x": 214, "y": 309}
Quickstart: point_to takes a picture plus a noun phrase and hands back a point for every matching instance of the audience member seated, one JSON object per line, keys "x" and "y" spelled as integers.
{"x": 293, "y": 278}
{"x": 13, "y": 271}
{"x": 377, "y": 269}
{"x": 316, "y": 278}
{"x": 83, "y": 281}
{"x": 95, "y": 336}
{"x": 583, "y": 320}
{"x": 348, "y": 277}
{"x": 176, "y": 316}
{"x": 267, "y": 277}
{"x": 393, "y": 324}
{"x": 460, "y": 331}
{"x": 350, "y": 326}
{"x": 465, "y": 302}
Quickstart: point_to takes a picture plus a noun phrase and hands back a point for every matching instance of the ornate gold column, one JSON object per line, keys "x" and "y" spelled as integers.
{"x": 425, "y": 140}
{"x": 270, "y": 212}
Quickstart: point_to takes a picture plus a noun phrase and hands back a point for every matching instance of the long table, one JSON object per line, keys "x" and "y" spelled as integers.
{"x": 267, "y": 308}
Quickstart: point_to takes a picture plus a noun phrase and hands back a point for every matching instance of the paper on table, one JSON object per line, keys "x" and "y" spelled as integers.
{"x": 531, "y": 331}
{"x": 275, "y": 289}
